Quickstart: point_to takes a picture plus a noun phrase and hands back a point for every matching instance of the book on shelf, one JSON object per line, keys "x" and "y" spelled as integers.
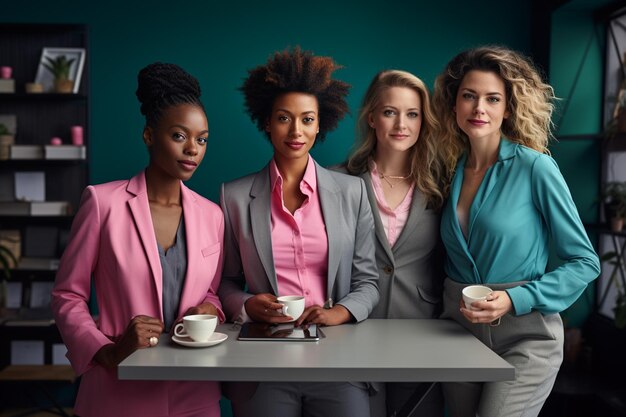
{"x": 7, "y": 85}
{"x": 49, "y": 208}
{"x": 30, "y": 185}
{"x": 41, "y": 316}
{"x": 26, "y": 152}
{"x": 38, "y": 264}
{"x": 65, "y": 152}
{"x": 34, "y": 208}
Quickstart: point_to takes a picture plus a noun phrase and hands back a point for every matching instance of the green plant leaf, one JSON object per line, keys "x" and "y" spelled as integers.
{"x": 6, "y": 259}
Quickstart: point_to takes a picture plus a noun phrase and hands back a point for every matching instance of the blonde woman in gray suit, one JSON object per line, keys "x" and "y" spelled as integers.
{"x": 397, "y": 160}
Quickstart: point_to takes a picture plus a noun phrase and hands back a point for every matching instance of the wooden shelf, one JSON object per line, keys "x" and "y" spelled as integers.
{"x": 584, "y": 136}
{"x": 604, "y": 229}
{"x": 38, "y": 164}
{"x": 41, "y": 97}
{"x": 616, "y": 143}
{"x": 38, "y": 373}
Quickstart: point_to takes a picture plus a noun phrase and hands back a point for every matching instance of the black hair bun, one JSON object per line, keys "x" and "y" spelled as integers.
{"x": 162, "y": 84}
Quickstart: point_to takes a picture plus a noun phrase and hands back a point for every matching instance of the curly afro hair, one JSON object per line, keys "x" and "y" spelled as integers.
{"x": 161, "y": 85}
{"x": 296, "y": 71}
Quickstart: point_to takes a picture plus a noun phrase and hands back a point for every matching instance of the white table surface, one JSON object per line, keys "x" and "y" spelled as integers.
{"x": 374, "y": 350}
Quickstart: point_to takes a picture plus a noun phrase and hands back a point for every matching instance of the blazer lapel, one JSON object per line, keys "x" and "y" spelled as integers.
{"x": 193, "y": 219}
{"x": 378, "y": 224}
{"x": 140, "y": 211}
{"x": 330, "y": 201}
{"x": 418, "y": 205}
{"x": 260, "y": 219}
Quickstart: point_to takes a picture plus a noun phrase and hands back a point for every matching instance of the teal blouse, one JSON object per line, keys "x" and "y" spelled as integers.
{"x": 522, "y": 203}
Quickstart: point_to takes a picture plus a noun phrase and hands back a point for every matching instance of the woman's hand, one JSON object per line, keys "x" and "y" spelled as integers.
{"x": 496, "y": 305}
{"x": 136, "y": 336}
{"x": 324, "y": 316}
{"x": 265, "y": 308}
{"x": 206, "y": 308}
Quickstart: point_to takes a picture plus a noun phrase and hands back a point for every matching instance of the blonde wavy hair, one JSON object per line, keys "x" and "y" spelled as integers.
{"x": 528, "y": 99}
{"x": 425, "y": 164}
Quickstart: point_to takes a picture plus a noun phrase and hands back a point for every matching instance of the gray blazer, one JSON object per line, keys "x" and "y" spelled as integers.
{"x": 248, "y": 259}
{"x": 410, "y": 272}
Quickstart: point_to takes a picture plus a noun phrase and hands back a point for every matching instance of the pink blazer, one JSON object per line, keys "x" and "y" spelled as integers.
{"x": 113, "y": 241}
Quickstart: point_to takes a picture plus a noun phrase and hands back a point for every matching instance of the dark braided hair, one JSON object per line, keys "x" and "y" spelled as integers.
{"x": 296, "y": 71}
{"x": 161, "y": 85}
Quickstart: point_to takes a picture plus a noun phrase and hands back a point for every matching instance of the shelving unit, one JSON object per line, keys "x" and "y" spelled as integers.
{"x": 41, "y": 116}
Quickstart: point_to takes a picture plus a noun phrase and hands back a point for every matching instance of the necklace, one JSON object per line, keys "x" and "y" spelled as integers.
{"x": 399, "y": 178}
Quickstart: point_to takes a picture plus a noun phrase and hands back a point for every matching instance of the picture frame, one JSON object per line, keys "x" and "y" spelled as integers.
{"x": 45, "y": 78}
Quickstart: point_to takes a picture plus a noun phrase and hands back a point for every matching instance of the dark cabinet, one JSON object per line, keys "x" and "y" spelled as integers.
{"x": 40, "y": 117}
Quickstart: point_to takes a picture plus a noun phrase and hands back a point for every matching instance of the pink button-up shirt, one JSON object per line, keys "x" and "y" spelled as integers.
{"x": 299, "y": 241}
{"x": 393, "y": 220}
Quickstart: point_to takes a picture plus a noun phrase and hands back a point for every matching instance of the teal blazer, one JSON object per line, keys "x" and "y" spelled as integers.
{"x": 522, "y": 204}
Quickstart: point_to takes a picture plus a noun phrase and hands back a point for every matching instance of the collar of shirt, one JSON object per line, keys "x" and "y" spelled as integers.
{"x": 308, "y": 185}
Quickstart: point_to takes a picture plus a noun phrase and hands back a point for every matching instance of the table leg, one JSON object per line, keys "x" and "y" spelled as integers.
{"x": 414, "y": 401}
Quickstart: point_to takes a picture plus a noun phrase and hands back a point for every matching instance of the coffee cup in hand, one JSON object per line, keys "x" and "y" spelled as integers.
{"x": 199, "y": 327}
{"x": 475, "y": 293}
{"x": 293, "y": 305}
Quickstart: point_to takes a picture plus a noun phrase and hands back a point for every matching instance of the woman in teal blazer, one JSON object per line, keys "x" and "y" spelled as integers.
{"x": 507, "y": 201}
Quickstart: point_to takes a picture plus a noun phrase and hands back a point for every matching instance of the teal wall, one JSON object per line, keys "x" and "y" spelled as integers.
{"x": 219, "y": 42}
{"x": 577, "y": 47}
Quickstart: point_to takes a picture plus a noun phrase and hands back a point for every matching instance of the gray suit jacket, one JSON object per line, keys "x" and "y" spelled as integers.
{"x": 248, "y": 259}
{"x": 410, "y": 272}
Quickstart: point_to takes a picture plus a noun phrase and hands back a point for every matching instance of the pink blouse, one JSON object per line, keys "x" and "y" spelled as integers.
{"x": 299, "y": 241}
{"x": 393, "y": 220}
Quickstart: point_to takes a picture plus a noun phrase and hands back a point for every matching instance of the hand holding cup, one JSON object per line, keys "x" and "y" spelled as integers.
{"x": 475, "y": 293}
{"x": 293, "y": 305}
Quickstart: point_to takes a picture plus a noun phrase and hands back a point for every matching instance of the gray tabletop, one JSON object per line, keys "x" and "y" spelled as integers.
{"x": 374, "y": 350}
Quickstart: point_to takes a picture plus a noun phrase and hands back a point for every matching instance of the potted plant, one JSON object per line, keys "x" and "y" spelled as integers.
{"x": 617, "y": 124}
{"x": 60, "y": 69}
{"x": 7, "y": 261}
{"x": 4, "y": 131}
{"x": 6, "y": 140}
{"x": 614, "y": 200}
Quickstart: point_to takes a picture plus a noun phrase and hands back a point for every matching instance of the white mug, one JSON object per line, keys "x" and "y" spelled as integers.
{"x": 199, "y": 327}
{"x": 293, "y": 305}
{"x": 474, "y": 293}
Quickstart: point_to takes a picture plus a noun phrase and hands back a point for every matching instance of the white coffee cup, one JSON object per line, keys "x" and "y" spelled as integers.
{"x": 474, "y": 293}
{"x": 199, "y": 327}
{"x": 293, "y": 305}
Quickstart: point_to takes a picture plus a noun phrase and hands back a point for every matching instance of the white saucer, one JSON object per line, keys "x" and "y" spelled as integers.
{"x": 216, "y": 338}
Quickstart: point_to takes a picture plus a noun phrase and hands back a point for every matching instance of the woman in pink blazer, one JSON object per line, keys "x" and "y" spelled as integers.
{"x": 153, "y": 250}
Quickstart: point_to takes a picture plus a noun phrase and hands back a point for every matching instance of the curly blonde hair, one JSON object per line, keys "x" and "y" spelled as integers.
{"x": 528, "y": 99}
{"x": 425, "y": 164}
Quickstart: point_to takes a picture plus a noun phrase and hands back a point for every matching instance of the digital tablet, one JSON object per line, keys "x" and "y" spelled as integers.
{"x": 280, "y": 332}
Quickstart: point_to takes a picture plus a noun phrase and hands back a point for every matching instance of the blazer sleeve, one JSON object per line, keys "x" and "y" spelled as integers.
{"x": 363, "y": 295}
{"x": 558, "y": 289}
{"x": 72, "y": 287}
{"x": 231, "y": 290}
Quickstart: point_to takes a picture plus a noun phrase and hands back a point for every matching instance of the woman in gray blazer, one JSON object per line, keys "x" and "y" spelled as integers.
{"x": 398, "y": 162}
{"x": 295, "y": 228}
